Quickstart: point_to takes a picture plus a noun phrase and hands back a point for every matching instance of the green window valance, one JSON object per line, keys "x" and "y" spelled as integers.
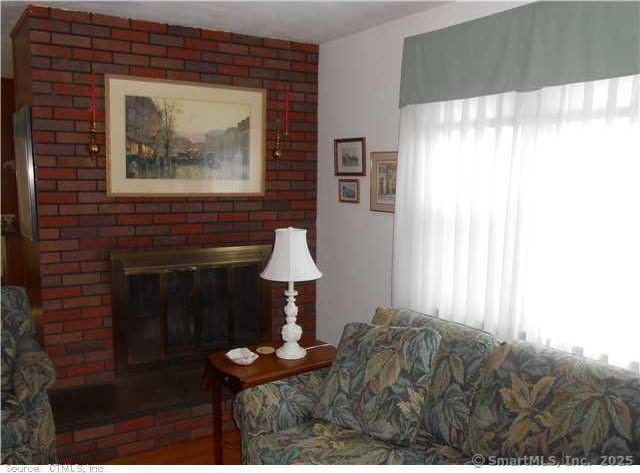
{"x": 526, "y": 48}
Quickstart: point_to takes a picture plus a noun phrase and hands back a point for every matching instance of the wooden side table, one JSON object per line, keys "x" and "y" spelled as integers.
{"x": 220, "y": 371}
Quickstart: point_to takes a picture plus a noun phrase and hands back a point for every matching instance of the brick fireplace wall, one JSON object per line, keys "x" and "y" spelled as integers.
{"x": 55, "y": 50}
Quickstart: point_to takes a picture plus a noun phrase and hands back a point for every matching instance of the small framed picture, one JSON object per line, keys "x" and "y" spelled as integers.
{"x": 384, "y": 166}
{"x": 350, "y": 156}
{"x": 349, "y": 190}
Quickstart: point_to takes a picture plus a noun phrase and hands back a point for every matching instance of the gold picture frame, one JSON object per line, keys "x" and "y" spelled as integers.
{"x": 173, "y": 138}
{"x": 384, "y": 169}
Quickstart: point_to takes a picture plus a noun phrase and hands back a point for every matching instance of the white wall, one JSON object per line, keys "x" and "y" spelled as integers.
{"x": 359, "y": 81}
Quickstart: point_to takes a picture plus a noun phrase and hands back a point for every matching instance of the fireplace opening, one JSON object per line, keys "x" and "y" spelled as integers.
{"x": 177, "y": 305}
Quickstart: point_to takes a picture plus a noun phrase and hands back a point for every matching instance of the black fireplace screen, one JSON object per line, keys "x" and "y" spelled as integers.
{"x": 163, "y": 314}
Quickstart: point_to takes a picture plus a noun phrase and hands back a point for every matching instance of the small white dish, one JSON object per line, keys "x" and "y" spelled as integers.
{"x": 241, "y": 356}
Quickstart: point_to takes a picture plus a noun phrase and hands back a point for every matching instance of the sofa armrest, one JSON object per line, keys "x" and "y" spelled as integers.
{"x": 278, "y": 405}
{"x": 33, "y": 373}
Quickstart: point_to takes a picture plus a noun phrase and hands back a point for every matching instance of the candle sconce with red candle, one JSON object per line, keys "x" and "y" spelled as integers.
{"x": 92, "y": 147}
{"x": 282, "y": 138}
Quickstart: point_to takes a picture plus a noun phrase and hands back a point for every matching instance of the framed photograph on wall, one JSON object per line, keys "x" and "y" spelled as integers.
{"x": 25, "y": 174}
{"x": 384, "y": 167}
{"x": 350, "y": 156}
{"x": 170, "y": 138}
{"x": 349, "y": 190}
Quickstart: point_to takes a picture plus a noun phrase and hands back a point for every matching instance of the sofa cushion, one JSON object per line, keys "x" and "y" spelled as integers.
{"x": 378, "y": 382}
{"x": 534, "y": 400}
{"x": 322, "y": 443}
{"x": 456, "y": 368}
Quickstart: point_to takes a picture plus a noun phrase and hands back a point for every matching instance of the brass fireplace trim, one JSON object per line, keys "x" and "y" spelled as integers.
{"x": 145, "y": 262}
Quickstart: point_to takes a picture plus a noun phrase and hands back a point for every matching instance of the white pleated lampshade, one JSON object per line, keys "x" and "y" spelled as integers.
{"x": 291, "y": 260}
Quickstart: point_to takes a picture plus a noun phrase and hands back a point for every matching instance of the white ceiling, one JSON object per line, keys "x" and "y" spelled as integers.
{"x": 304, "y": 21}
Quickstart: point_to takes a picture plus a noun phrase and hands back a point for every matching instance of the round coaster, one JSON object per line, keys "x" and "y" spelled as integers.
{"x": 266, "y": 350}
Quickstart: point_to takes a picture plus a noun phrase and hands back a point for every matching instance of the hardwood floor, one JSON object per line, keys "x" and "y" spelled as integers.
{"x": 191, "y": 452}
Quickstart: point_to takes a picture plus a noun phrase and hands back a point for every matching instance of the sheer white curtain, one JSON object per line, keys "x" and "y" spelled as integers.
{"x": 519, "y": 213}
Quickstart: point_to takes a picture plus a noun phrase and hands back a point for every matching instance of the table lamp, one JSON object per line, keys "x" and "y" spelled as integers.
{"x": 291, "y": 262}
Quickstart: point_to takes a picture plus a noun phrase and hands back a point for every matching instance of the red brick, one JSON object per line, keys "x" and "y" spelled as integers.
{"x": 216, "y": 35}
{"x": 304, "y": 66}
{"x": 135, "y": 424}
{"x": 78, "y": 302}
{"x": 131, "y": 59}
{"x": 83, "y": 17}
{"x": 276, "y": 64}
{"x": 91, "y": 30}
{"x": 129, "y": 35}
{"x": 167, "y": 63}
{"x": 93, "y": 433}
{"x": 39, "y": 36}
{"x": 83, "y": 324}
{"x": 58, "y": 292}
{"x": 187, "y": 228}
{"x": 58, "y": 221}
{"x": 147, "y": 72}
{"x": 134, "y": 219}
{"x": 200, "y": 44}
{"x": 71, "y": 40}
{"x": 49, "y": 25}
{"x": 169, "y": 218}
{"x": 194, "y": 423}
{"x": 50, "y": 50}
{"x": 148, "y": 49}
{"x": 137, "y": 447}
{"x": 60, "y": 268}
{"x": 92, "y": 55}
{"x": 310, "y": 48}
{"x": 233, "y": 70}
{"x": 234, "y": 217}
{"x": 148, "y": 26}
{"x": 96, "y": 312}
{"x": 111, "y": 45}
{"x": 118, "y": 439}
{"x": 182, "y": 53}
{"x": 61, "y": 315}
{"x": 98, "y": 334}
{"x": 107, "y": 20}
{"x": 62, "y": 338}
{"x": 233, "y": 48}
{"x": 34, "y": 10}
{"x": 183, "y": 75}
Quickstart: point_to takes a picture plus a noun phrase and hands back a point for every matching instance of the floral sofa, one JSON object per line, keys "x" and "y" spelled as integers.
{"x": 488, "y": 402}
{"x": 28, "y": 433}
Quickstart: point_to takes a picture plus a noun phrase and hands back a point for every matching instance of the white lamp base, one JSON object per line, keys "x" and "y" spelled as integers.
{"x": 291, "y": 331}
{"x": 291, "y": 351}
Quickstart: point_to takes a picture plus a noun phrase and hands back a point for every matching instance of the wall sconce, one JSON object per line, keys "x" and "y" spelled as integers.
{"x": 282, "y": 137}
{"x": 92, "y": 147}
{"x": 281, "y": 140}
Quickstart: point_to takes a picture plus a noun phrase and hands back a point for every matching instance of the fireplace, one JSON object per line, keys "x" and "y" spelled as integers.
{"x": 172, "y": 306}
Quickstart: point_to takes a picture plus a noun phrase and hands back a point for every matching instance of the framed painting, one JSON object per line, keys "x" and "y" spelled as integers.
{"x": 384, "y": 167}
{"x": 349, "y": 190}
{"x": 350, "y": 156}
{"x": 25, "y": 174}
{"x": 168, "y": 138}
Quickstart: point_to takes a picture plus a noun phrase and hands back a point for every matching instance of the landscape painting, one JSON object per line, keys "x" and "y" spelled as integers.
{"x": 167, "y": 138}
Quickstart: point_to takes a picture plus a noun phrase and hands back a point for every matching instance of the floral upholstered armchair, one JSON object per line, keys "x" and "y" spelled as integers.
{"x": 28, "y": 432}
